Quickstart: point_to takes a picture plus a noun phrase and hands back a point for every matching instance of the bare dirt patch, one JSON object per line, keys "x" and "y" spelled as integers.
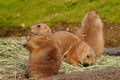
{"x": 104, "y": 74}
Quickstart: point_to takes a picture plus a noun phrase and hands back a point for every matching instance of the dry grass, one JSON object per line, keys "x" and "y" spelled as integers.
{"x": 13, "y": 60}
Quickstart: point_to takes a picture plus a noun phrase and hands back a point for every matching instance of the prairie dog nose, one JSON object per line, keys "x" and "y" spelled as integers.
{"x": 85, "y": 64}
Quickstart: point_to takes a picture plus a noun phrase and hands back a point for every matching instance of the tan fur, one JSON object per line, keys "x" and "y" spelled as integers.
{"x": 91, "y": 32}
{"x": 45, "y": 57}
{"x": 76, "y": 51}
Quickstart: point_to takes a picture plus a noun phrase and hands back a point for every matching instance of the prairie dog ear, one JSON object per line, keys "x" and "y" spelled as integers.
{"x": 28, "y": 38}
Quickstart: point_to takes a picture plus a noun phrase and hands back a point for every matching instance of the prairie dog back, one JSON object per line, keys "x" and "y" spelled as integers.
{"x": 65, "y": 40}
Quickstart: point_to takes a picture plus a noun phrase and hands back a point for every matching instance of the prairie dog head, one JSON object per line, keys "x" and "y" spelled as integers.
{"x": 92, "y": 19}
{"x": 91, "y": 25}
{"x": 86, "y": 55}
{"x": 41, "y": 30}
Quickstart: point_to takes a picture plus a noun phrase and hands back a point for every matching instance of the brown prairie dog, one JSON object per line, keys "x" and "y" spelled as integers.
{"x": 45, "y": 58}
{"x": 76, "y": 51}
{"x": 91, "y": 32}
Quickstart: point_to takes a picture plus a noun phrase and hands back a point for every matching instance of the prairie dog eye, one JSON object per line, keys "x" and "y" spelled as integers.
{"x": 38, "y": 25}
{"x": 88, "y": 56}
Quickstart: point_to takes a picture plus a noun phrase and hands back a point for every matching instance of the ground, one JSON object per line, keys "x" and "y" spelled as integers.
{"x": 104, "y": 74}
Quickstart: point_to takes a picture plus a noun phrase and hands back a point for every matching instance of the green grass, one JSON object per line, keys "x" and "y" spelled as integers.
{"x": 23, "y": 13}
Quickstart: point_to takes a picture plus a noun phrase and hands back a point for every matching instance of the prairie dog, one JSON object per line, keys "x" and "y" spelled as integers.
{"x": 76, "y": 51}
{"x": 91, "y": 32}
{"x": 45, "y": 57}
